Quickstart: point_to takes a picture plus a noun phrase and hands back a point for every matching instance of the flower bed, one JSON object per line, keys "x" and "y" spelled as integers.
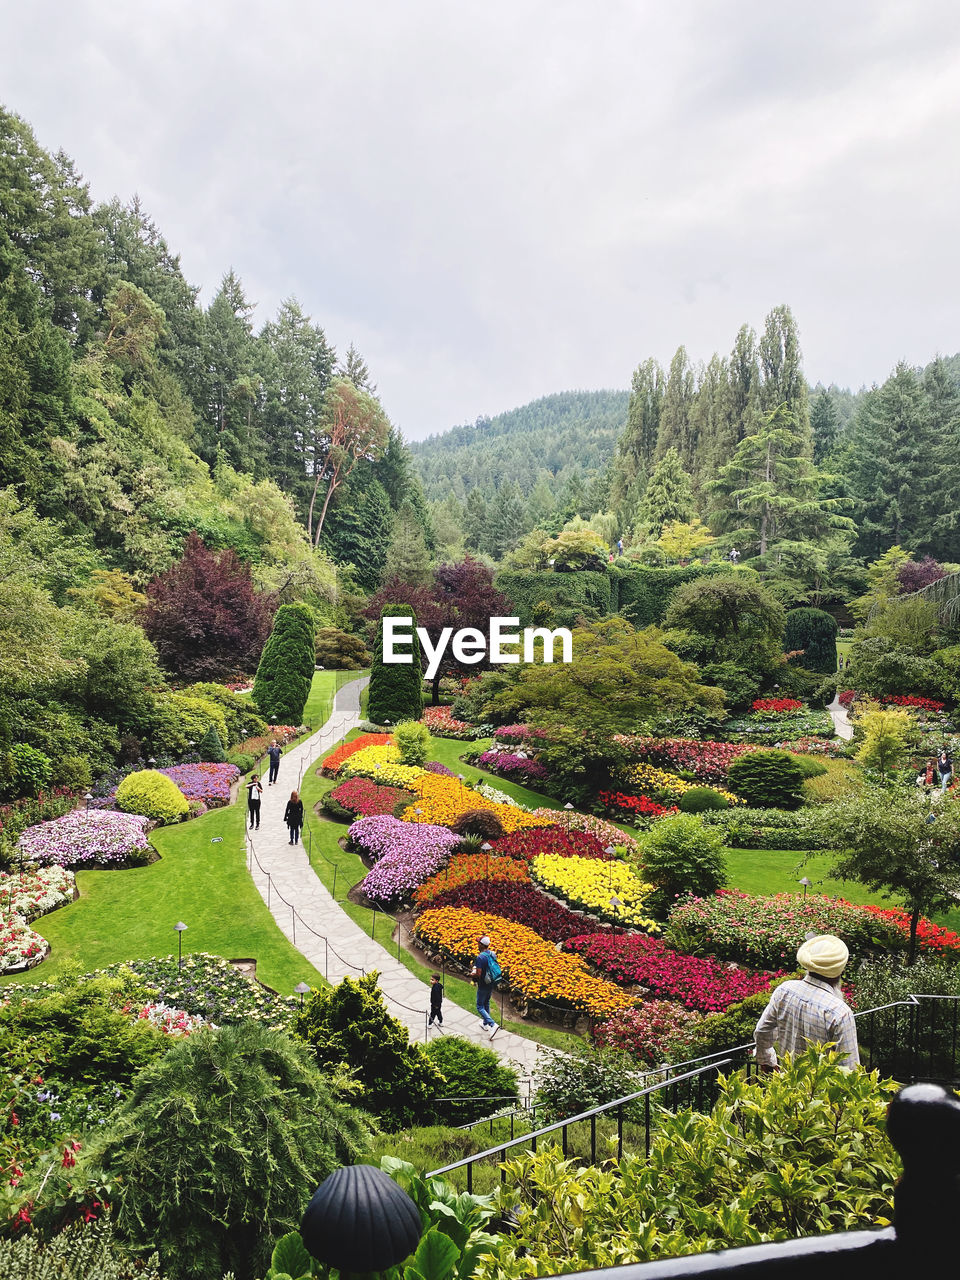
{"x": 636, "y": 806}
{"x": 518, "y": 733}
{"x": 468, "y": 868}
{"x": 500, "y": 797}
{"x": 334, "y": 761}
{"x": 522, "y": 903}
{"x": 93, "y": 838}
{"x": 532, "y": 966}
{"x": 364, "y": 799}
{"x": 382, "y": 763}
{"x": 36, "y": 892}
{"x": 207, "y": 782}
{"x": 172, "y": 1022}
{"x": 931, "y": 938}
{"x": 761, "y": 729}
{"x": 833, "y": 747}
{"x": 777, "y": 706}
{"x": 606, "y": 832}
{"x": 406, "y": 855}
{"x": 257, "y": 745}
{"x": 207, "y": 986}
{"x": 442, "y": 800}
{"x": 552, "y": 840}
{"x": 20, "y": 947}
{"x": 516, "y": 768}
{"x": 766, "y": 931}
{"x": 650, "y": 778}
{"x": 442, "y": 724}
{"x": 703, "y": 985}
{"x": 708, "y": 761}
{"x": 654, "y": 1032}
{"x": 590, "y": 884}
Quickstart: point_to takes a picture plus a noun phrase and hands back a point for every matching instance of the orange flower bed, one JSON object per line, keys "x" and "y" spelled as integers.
{"x": 467, "y": 868}
{"x": 532, "y": 965}
{"x": 335, "y": 759}
{"x": 441, "y": 801}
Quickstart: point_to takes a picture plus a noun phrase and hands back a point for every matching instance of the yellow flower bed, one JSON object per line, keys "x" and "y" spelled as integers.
{"x": 590, "y": 883}
{"x": 650, "y": 778}
{"x": 532, "y": 965}
{"x": 383, "y": 765}
{"x": 441, "y": 801}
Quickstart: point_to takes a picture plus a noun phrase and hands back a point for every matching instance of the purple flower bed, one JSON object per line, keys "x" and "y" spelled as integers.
{"x": 510, "y": 765}
{"x": 207, "y": 782}
{"x": 434, "y": 766}
{"x": 407, "y": 854}
{"x": 86, "y": 838}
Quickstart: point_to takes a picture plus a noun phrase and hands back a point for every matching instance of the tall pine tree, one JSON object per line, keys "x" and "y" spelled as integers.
{"x": 668, "y": 498}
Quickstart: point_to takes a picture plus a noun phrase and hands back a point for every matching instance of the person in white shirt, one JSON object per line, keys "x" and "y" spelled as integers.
{"x": 810, "y": 1010}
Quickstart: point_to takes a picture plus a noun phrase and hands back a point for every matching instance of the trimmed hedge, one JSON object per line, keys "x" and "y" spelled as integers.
{"x": 555, "y": 597}
{"x": 643, "y": 594}
{"x": 285, "y": 673}
{"x": 770, "y": 828}
{"x": 771, "y": 779}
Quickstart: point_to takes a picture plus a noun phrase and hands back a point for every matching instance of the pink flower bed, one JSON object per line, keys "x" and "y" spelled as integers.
{"x": 510, "y": 765}
{"x": 36, "y": 892}
{"x": 366, "y": 798}
{"x": 702, "y": 985}
{"x": 606, "y": 832}
{"x": 654, "y": 1032}
{"x": 85, "y": 838}
{"x": 407, "y": 854}
{"x": 518, "y": 733}
{"x": 707, "y": 761}
{"x": 207, "y": 782}
{"x": 20, "y": 947}
{"x": 442, "y": 723}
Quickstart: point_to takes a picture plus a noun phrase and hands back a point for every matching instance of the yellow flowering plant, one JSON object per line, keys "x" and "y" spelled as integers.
{"x": 591, "y": 884}
{"x": 649, "y": 778}
{"x": 382, "y": 763}
{"x": 441, "y": 800}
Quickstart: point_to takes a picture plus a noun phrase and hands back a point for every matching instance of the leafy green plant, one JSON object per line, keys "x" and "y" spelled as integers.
{"x": 210, "y": 748}
{"x": 153, "y": 794}
{"x": 815, "y": 632}
{"x": 216, "y": 1146}
{"x": 681, "y": 856}
{"x": 477, "y": 1082}
{"x": 25, "y": 772}
{"x": 700, "y": 799}
{"x": 85, "y": 1251}
{"x": 767, "y": 779}
{"x": 413, "y": 741}
{"x": 242, "y": 760}
{"x": 587, "y": 1077}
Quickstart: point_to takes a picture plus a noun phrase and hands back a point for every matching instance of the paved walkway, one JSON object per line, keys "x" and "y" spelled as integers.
{"x": 841, "y": 721}
{"x": 322, "y": 931}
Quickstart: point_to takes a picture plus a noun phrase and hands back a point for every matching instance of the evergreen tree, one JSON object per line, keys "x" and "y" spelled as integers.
{"x": 229, "y": 353}
{"x": 943, "y": 423}
{"x": 408, "y": 559}
{"x": 354, "y": 368}
{"x": 358, "y": 527}
{"x": 637, "y": 445}
{"x": 824, "y": 425}
{"x": 782, "y": 380}
{"x": 668, "y": 498}
{"x": 508, "y": 522}
{"x": 540, "y": 504}
{"x": 676, "y": 426}
{"x": 709, "y": 420}
{"x": 210, "y": 748}
{"x": 396, "y": 689}
{"x": 475, "y": 521}
{"x": 285, "y": 673}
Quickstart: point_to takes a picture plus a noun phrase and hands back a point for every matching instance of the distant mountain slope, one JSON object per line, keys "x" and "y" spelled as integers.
{"x": 559, "y": 435}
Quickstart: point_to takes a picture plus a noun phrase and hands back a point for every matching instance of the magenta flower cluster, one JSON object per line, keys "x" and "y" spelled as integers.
{"x": 434, "y": 766}
{"x": 208, "y": 782}
{"x": 510, "y": 765}
{"x": 518, "y": 733}
{"x": 86, "y": 839}
{"x": 407, "y": 853}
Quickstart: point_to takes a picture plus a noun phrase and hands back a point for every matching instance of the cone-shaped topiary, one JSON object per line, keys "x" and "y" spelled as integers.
{"x": 396, "y": 689}
{"x": 283, "y": 679}
{"x": 210, "y": 748}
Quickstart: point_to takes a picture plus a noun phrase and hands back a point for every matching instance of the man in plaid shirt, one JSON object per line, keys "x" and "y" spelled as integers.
{"x": 810, "y": 1010}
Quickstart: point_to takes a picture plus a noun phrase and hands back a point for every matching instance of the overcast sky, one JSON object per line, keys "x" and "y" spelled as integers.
{"x": 498, "y": 201}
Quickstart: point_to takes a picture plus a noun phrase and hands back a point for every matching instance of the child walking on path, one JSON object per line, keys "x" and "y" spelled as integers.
{"x": 293, "y": 817}
{"x": 436, "y": 1000}
{"x": 254, "y": 795}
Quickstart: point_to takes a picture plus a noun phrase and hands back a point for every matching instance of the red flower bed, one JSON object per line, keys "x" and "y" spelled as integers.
{"x": 780, "y": 706}
{"x": 911, "y": 700}
{"x": 702, "y": 985}
{"x": 708, "y": 761}
{"x": 930, "y": 937}
{"x": 846, "y": 697}
{"x": 336, "y": 759}
{"x": 634, "y": 804}
{"x": 442, "y": 724}
{"x": 521, "y": 903}
{"x": 533, "y": 841}
{"x": 656, "y": 1031}
{"x": 364, "y": 797}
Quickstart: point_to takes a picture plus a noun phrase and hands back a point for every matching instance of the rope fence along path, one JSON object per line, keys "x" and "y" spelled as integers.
{"x": 308, "y": 915}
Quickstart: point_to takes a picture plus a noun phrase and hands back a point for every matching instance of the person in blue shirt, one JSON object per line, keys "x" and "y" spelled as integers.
{"x": 484, "y": 987}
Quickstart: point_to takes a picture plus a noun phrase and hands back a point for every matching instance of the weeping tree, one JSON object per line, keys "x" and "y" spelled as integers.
{"x": 285, "y": 673}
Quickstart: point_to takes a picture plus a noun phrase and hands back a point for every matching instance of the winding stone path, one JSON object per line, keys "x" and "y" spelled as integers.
{"x": 841, "y": 721}
{"x": 322, "y": 931}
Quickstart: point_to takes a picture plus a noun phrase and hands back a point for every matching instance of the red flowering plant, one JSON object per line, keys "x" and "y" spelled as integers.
{"x": 707, "y": 761}
{"x": 777, "y": 706}
{"x": 337, "y": 758}
{"x": 363, "y": 798}
{"x": 846, "y": 698}
{"x": 931, "y": 938}
{"x": 654, "y": 1032}
{"x": 913, "y": 701}
{"x": 442, "y": 724}
{"x": 534, "y": 841}
{"x": 700, "y": 984}
{"x": 641, "y": 806}
{"x": 522, "y": 903}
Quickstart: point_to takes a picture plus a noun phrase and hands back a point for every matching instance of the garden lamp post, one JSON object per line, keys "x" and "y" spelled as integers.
{"x": 180, "y": 928}
{"x": 151, "y": 762}
{"x": 486, "y": 847}
{"x": 88, "y": 797}
{"x": 419, "y": 813}
{"x": 616, "y": 904}
{"x": 460, "y": 780}
{"x": 301, "y": 989}
{"x": 806, "y": 885}
{"x": 568, "y": 806}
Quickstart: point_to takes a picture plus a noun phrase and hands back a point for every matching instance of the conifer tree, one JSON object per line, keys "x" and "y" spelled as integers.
{"x": 210, "y": 748}
{"x": 396, "y": 689}
{"x": 676, "y": 427}
{"x": 824, "y": 425}
{"x": 668, "y": 498}
{"x": 637, "y": 445}
{"x": 475, "y": 521}
{"x": 781, "y": 365}
{"x": 507, "y": 523}
{"x": 283, "y": 679}
{"x": 407, "y": 556}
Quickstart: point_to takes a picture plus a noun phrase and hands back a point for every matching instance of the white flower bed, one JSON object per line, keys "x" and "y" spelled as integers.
{"x": 90, "y": 838}
{"x": 36, "y": 892}
{"x": 20, "y": 947}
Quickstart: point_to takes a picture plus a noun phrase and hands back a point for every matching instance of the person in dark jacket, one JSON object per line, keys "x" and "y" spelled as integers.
{"x": 436, "y": 1000}
{"x": 274, "y": 752}
{"x": 293, "y": 817}
{"x": 945, "y": 768}
{"x": 254, "y": 795}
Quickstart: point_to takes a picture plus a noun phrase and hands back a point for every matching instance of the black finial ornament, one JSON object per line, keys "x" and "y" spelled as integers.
{"x": 359, "y": 1219}
{"x": 923, "y": 1123}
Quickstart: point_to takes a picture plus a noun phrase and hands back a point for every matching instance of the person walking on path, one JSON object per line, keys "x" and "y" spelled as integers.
{"x": 945, "y": 768}
{"x": 483, "y": 973}
{"x": 274, "y": 752}
{"x": 293, "y": 817}
{"x": 436, "y": 1000}
{"x": 811, "y": 1010}
{"x": 254, "y": 796}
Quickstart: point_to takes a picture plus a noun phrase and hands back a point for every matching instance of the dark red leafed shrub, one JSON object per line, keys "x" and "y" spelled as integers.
{"x": 521, "y": 903}
{"x": 537, "y": 840}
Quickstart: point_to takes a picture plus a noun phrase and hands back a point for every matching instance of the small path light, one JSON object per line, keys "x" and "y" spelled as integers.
{"x": 360, "y": 1220}
{"x": 88, "y": 797}
{"x": 151, "y": 762}
{"x": 301, "y": 989}
{"x": 806, "y": 885}
{"x": 568, "y": 805}
{"x": 180, "y": 928}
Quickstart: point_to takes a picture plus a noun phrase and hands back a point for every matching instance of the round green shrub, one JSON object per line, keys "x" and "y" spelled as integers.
{"x": 338, "y": 650}
{"x": 242, "y": 759}
{"x": 810, "y": 766}
{"x": 72, "y": 772}
{"x": 477, "y": 1082}
{"x": 700, "y": 799}
{"x": 767, "y": 779}
{"x": 478, "y": 822}
{"x": 153, "y": 794}
{"x": 25, "y": 771}
{"x": 681, "y": 856}
{"x": 413, "y": 741}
